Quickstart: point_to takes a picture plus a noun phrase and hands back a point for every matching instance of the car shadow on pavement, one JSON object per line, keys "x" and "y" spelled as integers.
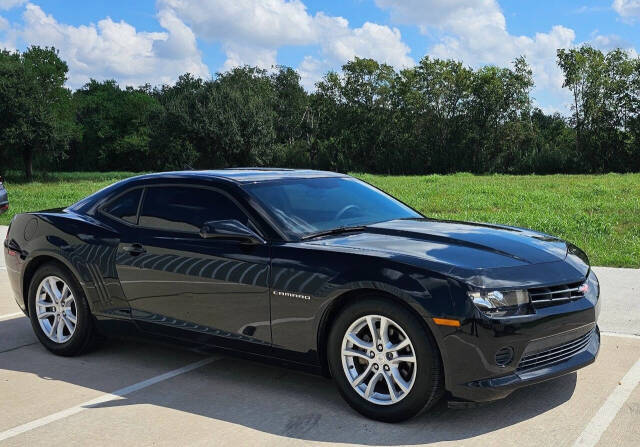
{"x": 303, "y": 406}
{"x": 276, "y": 400}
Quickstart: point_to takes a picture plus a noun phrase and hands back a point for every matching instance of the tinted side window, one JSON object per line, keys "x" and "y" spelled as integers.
{"x": 186, "y": 209}
{"x": 125, "y": 207}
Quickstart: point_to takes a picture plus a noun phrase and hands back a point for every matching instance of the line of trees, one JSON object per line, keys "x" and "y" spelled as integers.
{"x": 437, "y": 117}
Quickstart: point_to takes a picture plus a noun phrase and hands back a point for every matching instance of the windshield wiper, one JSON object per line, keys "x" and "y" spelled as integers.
{"x": 339, "y": 230}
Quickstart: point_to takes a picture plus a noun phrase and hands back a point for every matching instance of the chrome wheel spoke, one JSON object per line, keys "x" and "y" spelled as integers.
{"x": 403, "y": 358}
{"x": 390, "y": 387}
{"x": 48, "y": 291}
{"x": 384, "y": 331}
{"x": 360, "y": 343}
{"x": 371, "y": 385}
{"x": 72, "y": 318}
{"x": 53, "y": 289}
{"x": 56, "y": 321}
{"x": 46, "y": 315}
{"x": 397, "y": 378}
{"x": 372, "y": 329}
{"x": 65, "y": 293}
{"x": 70, "y": 326}
{"x": 358, "y": 380}
{"x": 403, "y": 344}
{"x": 60, "y": 329}
{"x": 354, "y": 353}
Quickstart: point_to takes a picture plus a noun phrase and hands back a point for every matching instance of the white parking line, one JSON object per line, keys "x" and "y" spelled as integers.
{"x": 608, "y": 411}
{"x": 116, "y": 395}
{"x": 10, "y": 316}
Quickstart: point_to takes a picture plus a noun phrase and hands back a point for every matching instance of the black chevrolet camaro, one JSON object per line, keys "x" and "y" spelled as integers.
{"x": 312, "y": 269}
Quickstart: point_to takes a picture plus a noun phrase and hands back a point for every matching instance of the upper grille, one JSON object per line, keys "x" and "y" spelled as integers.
{"x": 556, "y": 354}
{"x": 556, "y": 294}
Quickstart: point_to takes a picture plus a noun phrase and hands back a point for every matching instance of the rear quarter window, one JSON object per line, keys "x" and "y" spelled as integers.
{"x": 125, "y": 207}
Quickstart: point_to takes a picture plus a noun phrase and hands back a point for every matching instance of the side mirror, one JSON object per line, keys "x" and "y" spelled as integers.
{"x": 230, "y": 229}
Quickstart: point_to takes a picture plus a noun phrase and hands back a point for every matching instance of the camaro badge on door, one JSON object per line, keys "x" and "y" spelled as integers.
{"x": 291, "y": 295}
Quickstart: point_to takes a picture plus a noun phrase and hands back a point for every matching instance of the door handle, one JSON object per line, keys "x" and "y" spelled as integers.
{"x": 134, "y": 249}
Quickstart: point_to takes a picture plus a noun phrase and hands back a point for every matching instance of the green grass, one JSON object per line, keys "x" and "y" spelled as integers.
{"x": 53, "y": 190}
{"x": 599, "y": 213}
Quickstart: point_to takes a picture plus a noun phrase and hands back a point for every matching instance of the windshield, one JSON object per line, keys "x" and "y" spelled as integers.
{"x": 303, "y": 207}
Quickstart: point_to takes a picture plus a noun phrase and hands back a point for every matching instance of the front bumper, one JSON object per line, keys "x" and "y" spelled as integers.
{"x": 499, "y": 387}
{"x": 555, "y": 341}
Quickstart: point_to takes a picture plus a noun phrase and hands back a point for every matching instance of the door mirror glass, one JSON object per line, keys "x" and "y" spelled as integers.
{"x": 230, "y": 229}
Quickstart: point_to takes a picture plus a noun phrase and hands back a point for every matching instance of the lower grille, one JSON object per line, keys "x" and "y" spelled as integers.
{"x": 556, "y": 354}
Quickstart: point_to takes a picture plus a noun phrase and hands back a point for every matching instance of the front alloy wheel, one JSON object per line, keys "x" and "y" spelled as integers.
{"x": 384, "y": 359}
{"x": 379, "y": 360}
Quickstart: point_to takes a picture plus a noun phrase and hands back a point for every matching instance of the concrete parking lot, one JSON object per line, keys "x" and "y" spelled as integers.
{"x": 133, "y": 393}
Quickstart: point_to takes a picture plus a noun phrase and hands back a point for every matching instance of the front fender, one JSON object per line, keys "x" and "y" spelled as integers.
{"x": 307, "y": 284}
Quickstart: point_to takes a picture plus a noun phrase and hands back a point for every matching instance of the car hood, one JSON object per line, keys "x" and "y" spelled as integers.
{"x": 472, "y": 251}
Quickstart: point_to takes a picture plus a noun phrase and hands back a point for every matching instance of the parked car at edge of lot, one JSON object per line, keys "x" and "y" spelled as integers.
{"x": 315, "y": 270}
{"x": 4, "y": 197}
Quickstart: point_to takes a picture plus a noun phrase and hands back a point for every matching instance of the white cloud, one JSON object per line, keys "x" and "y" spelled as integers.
{"x": 340, "y": 43}
{"x": 10, "y": 4}
{"x": 445, "y": 13}
{"x": 271, "y": 23}
{"x": 9, "y": 41}
{"x": 629, "y": 10}
{"x": 239, "y": 54}
{"x": 116, "y": 50}
{"x": 475, "y": 31}
{"x": 311, "y": 70}
{"x": 251, "y": 32}
{"x": 612, "y": 41}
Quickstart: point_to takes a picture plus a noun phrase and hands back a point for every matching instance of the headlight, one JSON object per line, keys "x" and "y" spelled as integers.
{"x": 493, "y": 300}
{"x": 591, "y": 287}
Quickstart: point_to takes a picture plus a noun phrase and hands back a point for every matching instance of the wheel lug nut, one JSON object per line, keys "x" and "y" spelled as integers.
{"x": 386, "y": 367}
{"x": 379, "y": 347}
{"x": 389, "y": 356}
{"x": 375, "y": 366}
{"x": 372, "y": 354}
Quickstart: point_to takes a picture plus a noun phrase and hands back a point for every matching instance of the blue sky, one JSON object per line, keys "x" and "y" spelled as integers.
{"x": 155, "y": 41}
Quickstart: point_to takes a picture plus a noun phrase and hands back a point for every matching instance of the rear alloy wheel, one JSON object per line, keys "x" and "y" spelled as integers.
{"x": 59, "y": 312}
{"x": 56, "y": 309}
{"x": 384, "y": 360}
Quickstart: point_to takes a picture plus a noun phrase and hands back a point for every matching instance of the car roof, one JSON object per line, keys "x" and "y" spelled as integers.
{"x": 245, "y": 175}
{"x": 233, "y": 175}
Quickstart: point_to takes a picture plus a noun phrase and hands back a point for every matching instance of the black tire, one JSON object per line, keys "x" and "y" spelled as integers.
{"x": 84, "y": 337}
{"x": 428, "y": 387}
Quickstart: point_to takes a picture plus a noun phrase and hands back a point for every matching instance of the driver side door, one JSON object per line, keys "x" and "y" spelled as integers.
{"x": 209, "y": 291}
